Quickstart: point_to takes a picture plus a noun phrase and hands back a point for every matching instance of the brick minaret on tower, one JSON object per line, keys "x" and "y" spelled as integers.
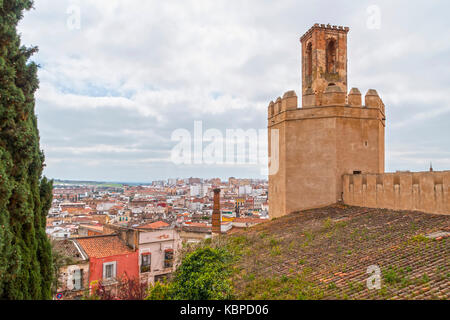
{"x": 333, "y": 134}
{"x": 324, "y": 61}
{"x": 216, "y": 217}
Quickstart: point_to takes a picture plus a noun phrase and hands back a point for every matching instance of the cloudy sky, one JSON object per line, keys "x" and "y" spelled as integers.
{"x": 116, "y": 83}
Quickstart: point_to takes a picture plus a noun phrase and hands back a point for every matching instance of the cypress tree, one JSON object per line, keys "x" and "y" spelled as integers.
{"x": 25, "y": 197}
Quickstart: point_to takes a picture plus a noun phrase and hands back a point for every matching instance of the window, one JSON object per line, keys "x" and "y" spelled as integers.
{"x": 168, "y": 258}
{"x": 309, "y": 59}
{"x": 331, "y": 56}
{"x": 146, "y": 262}
{"x": 109, "y": 270}
{"x": 162, "y": 277}
{"x": 78, "y": 279}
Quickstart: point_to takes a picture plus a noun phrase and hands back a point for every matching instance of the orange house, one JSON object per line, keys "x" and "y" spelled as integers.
{"x": 109, "y": 259}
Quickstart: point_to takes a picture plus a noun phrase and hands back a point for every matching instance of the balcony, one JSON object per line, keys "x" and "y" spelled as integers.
{"x": 145, "y": 269}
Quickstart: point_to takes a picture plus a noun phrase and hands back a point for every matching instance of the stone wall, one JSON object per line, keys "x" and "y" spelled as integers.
{"x": 420, "y": 191}
{"x": 316, "y": 145}
{"x": 66, "y": 281}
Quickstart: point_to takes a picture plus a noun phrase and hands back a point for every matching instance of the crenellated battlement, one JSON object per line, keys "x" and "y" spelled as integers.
{"x": 318, "y": 26}
{"x": 421, "y": 191}
{"x": 332, "y": 97}
{"x": 288, "y": 102}
{"x": 354, "y": 98}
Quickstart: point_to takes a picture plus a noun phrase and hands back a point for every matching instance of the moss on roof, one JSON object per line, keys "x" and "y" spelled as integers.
{"x": 325, "y": 254}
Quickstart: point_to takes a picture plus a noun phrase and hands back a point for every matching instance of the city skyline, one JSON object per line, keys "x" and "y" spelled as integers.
{"x": 224, "y": 151}
{"x": 103, "y": 116}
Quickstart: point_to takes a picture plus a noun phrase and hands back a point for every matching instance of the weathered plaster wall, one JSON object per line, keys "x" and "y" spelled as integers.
{"x": 127, "y": 264}
{"x": 156, "y": 242}
{"x": 66, "y": 280}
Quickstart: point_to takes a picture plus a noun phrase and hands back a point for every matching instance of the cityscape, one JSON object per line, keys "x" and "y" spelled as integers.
{"x": 217, "y": 159}
{"x": 181, "y": 209}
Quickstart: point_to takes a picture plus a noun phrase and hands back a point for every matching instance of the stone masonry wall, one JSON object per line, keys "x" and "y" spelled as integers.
{"x": 420, "y": 191}
{"x": 316, "y": 145}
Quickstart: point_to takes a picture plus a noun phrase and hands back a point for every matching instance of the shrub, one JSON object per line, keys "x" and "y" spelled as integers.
{"x": 159, "y": 291}
{"x": 124, "y": 289}
{"x": 204, "y": 274}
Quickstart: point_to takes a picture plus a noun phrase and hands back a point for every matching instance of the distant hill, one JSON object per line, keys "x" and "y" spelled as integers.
{"x": 96, "y": 183}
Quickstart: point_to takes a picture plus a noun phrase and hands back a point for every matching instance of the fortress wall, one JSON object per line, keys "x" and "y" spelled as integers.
{"x": 336, "y": 104}
{"x": 312, "y": 159}
{"x": 420, "y": 191}
{"x": 310, "y": 163}
{"x": 277, "y": 162}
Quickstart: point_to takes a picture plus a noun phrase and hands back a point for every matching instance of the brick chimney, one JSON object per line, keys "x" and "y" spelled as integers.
{"x": 216, "y": 217}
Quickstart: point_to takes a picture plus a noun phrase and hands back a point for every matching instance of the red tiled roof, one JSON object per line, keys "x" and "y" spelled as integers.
{"x": 155, "y": 225}
{"x": 197, "y": 224}
{"x": 249, "y": 220}
{"x": 103, "y": 246}
{"x": 78, "y": 210}
{"x": 92, "y": 227}
{"x": 85, "y": 219}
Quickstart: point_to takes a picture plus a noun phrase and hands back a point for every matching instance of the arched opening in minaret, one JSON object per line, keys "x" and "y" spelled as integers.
{"x": 309, "y": 60}
{"x": 331, "y": 56}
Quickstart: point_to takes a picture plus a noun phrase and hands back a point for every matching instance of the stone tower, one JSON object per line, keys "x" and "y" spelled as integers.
{"x": 324, "y": 61}
{"x": 333, "y": 134}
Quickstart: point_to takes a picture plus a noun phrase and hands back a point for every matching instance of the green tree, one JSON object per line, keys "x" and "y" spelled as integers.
{"x": 159, "y": 291}
{"x": 204, "y": 274}
{"x": 25, "y": 197}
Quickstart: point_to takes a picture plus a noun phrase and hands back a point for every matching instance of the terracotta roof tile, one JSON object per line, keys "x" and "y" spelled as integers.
{"x": 92, "y": 227}
{"x": 155, "y": 225}
{"x": 68, "y": 249}
{"x": 197, "y": 224}
{"x": 103, "y": 246}
{"x": 249, "y": 220}
{"x": 333, "y": 247}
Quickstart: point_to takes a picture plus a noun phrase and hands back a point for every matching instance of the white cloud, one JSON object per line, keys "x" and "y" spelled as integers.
{"x": 137, "y": 70}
